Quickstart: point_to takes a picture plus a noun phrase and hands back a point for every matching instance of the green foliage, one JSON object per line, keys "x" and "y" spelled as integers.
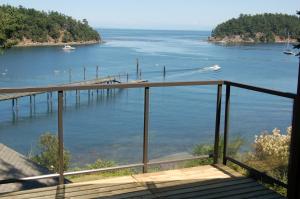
{"x": 100, "y": 164}
{"x": 234, "y": 146}
{"x": 18, "y": 24}
{"x": 271, "y": 153}
{"x": 260, "y": 27}
{"x": 297, "y": 46}
{"x": 207, "y": 149}
{"x": 46, "y": 153}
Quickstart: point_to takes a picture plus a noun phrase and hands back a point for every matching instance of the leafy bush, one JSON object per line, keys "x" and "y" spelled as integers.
{"x": 100, "y": 164}
{"x": 46, "y": 153}
{"x": 208, "y": 149}
{"x": 271, "y": 153}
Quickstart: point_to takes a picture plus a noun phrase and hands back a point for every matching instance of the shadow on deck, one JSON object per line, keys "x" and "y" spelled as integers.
{"x": 210, "y": 181}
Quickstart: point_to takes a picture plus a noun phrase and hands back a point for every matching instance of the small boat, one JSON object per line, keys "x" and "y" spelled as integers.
{"x": 215, "y": 67}
{"x": 68, "y": 47}
{"x": 288, "y": 52}
{"x": 287, "y": 49}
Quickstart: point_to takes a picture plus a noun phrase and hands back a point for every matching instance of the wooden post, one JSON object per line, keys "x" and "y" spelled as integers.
{"x": 97, "y": 72}
{"x": 60, "y": 138}
{"x": 48, "y": 106}
{"x": 17, "y": 105}
{"x": 65, "y": 99}
{"x": 226, "y": 123}
{"x": 137, "y": 66}
{"x": 293, "y": 191}
{"x": 146, "y": 127}
{"x": 140, "y": 76}
{"x": 13, "y": 105}
{"x": 70, "y": 75}
{"x": 217, "y": 125}
{"x": 30, "y": 104}
{"x": 51, "y": 101}
{"x": 164, "y": 71}
{"x": 34, "y": 103}
{"x": 84, "y": 71}
{"x": 13, "y": 110}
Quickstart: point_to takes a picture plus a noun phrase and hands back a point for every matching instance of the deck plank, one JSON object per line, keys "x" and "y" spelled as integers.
{"x": 210, "y": 181}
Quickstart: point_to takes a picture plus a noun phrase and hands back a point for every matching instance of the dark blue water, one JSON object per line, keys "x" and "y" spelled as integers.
{"x": 109, "y": 125}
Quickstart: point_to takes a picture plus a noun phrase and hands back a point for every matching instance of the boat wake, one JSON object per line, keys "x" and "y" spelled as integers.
{"x": 212, "y": 68}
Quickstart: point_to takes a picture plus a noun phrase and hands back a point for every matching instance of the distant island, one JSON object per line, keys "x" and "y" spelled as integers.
{"x": 260, "y": 28}
{"x": 20, "y": 26}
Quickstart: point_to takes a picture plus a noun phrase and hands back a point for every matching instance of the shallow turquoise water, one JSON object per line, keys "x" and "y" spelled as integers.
{"x": 110, "y": 125}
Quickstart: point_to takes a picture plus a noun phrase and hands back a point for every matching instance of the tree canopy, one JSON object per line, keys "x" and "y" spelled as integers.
{"x": 260, "y": 27}
{"x": 297, "y": 46}
{"x": 18, "y": 24}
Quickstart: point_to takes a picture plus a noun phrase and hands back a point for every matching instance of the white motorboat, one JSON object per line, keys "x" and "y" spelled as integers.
{"x": 215, "y": 67}
{"x": 68, "y": 47}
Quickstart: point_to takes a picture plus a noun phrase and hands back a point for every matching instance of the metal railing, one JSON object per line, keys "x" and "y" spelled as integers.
{"x": 262, "y": 176}
{"x": 145, "y": 162}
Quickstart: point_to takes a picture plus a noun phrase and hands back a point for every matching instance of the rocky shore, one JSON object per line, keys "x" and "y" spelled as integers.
{"x": 31, "y": 44}
{"x": 240, "y": 39}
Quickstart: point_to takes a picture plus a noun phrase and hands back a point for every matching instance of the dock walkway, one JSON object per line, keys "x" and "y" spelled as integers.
{"x": 86, "y": 82}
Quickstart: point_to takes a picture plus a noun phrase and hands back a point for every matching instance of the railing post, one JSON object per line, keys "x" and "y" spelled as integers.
{"x": 217, "y": 126}
{"x": 226, "y": 122}
{"x": 146, "y": 126}
{"x": 293, "y": 190}
{"x": 60, "y": 138}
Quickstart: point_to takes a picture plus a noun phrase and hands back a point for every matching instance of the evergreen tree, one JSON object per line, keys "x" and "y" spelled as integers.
{"x": 260, "y": 27}
{"x": 297, "y": 46}
{"x": 18, "y": 24}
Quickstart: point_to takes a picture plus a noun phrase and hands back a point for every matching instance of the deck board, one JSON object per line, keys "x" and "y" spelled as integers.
{"x": 210, "y": 181}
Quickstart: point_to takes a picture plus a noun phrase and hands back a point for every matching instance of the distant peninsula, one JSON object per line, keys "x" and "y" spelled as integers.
{"x": 20, "y": 26}
{"x": 260, "y": 28}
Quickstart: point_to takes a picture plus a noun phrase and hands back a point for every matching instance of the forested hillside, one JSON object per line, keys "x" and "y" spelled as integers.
{"x": 258, "y": 28}
{"x": 28, "y": 26}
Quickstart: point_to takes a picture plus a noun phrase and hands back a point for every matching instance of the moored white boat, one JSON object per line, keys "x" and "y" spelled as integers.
{"x": 68, "y": 47}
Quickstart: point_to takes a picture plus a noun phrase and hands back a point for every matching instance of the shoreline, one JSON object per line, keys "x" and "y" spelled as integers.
{"x": 37, "y": 44}
{"x": 239, "y": 40}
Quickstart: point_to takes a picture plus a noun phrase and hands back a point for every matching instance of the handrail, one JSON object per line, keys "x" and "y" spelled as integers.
{"x": 53, "y": 88}
{"x": 108, "y": 86}
{"x": 255, "y": 173}
{"x": 147, "y": 85}
{"x": 261, "y": 90}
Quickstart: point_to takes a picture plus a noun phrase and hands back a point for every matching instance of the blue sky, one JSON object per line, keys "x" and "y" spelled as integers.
{"x": 159, "y": 14}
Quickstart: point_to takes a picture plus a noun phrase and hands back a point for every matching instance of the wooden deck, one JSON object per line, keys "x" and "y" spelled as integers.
{"x": 197, "y": 182}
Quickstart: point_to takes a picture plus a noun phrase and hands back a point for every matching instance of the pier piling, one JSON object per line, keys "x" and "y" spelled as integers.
{"x": 97, "y": 72}
{"x": 84, "y": 73}
{"x": 30, "y": 105}
{"x": 70, "y": 75}
{"x": 137, "y": 66}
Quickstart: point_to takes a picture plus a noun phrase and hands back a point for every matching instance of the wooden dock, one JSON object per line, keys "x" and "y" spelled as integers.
{"x": 207, "y": 182}
{"x": 87, "y": 82}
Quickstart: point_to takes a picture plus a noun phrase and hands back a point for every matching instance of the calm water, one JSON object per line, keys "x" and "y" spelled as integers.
{"x": 109, "y": 125}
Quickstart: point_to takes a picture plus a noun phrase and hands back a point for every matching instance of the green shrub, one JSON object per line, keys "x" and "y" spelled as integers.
{"x": 46, "y": 153}
{"x": 271, "y": 153}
